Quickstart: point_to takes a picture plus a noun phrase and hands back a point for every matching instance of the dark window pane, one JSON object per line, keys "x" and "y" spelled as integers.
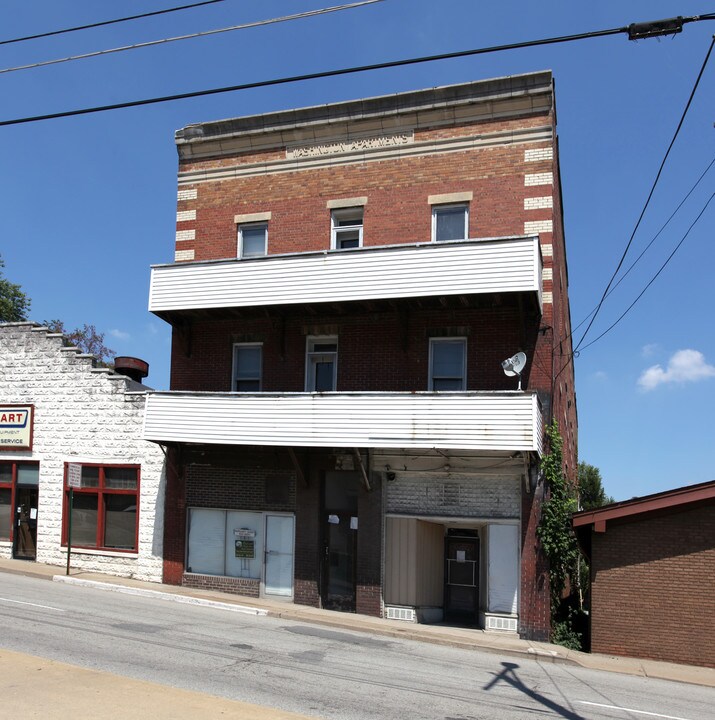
{"x": 84, "y": 520}
{"x": 248, "y": 368}
{"x": 119, "y": 478}
{"x": 347, "y": 239}
{"x": 324, "y": 377}
{"x": 90, "y": 476}
{"x": 447, "y": 384}
{"x": 248, "y": 362}
{"x": 5, "y": 513}
{"x": 6, "y": 473}
{"x": 120, "y": 521}
{"x": 450, "y": 224}
{"x": 253, "y": 241}
{"x": 448, "y": 359}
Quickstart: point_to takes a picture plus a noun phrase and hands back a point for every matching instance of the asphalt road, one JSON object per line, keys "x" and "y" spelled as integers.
{"x": 314, "y": 670}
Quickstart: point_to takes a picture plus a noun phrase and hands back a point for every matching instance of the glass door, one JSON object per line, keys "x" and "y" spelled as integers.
{"x": 280, "y": 535}
{"x": 26, "y": 496}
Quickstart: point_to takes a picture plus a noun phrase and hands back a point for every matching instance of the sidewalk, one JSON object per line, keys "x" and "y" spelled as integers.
{"x": 467, "y": 638}
{"x": 66, "y": 691}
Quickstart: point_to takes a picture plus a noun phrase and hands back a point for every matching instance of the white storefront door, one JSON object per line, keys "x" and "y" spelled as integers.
{"x": 279, "y": 555}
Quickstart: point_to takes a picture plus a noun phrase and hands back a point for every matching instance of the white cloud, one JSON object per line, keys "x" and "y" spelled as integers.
{"x": 683, "y": 367}
{"x": 119, "y": 334}
{"x": 600, "y": 375}
{"x": 649, "y": 350}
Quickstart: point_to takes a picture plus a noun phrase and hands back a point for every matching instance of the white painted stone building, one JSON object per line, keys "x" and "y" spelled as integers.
{"x": 76, "y": 413}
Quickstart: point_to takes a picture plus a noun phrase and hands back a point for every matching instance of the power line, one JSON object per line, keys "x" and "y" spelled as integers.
{"x": 330, "y": 73}
{"x": 648, "y": 246}
{"x": 576, "y": 353}
{"x": 108, "y": 22}
{"x": 650, "y": 195}
{"x": 653, "y": 279}
{"x": 205, "y": 33}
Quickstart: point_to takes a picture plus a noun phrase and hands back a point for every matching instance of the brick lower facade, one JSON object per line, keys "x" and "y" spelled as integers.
{"x": 653, "y": 587}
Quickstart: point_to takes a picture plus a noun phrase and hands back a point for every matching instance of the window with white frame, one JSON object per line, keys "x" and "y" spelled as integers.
{"x": 448, "y": 364}
{"x": 252, "y": 239}
{"x": 346, "y": 225}
{"x": 450, "y": 222}
{"x": 321, "y": 364}
{"x": 247, "y": 367}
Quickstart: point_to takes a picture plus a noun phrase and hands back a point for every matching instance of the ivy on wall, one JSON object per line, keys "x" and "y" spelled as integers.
{"x": 558, "y": 540}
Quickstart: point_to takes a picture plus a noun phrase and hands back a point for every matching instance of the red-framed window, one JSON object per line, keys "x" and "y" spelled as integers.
{"x": 13, "y": 474}
{"x": 105, "y": 512}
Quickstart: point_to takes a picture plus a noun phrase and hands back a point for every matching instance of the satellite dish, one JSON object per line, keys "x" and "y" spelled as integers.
{"x": 514, "y": 366}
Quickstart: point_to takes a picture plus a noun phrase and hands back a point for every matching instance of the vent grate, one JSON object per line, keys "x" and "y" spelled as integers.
{"x": 398, "y": 613}
{"x": 501, "y": 623}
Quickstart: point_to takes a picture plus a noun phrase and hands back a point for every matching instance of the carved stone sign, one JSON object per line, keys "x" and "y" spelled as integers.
{"x": 347, "y": 146}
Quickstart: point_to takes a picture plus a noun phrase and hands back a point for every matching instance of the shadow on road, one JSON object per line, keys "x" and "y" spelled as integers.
{"x": 508, "y": 675}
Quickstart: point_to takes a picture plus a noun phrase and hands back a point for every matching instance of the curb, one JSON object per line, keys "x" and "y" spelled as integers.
{"x": 158, "y": 595}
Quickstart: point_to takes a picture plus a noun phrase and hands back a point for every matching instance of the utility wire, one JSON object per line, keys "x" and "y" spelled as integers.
{"x": 331, "y": 73}
{"x": 108, "y": 22}
{"x": 576, "y": 353}
{"x": 648, "y": 246}
{"x": 650, "y": 195}
{"x": 653, "y": 279}
{"x": 205, "y": 33}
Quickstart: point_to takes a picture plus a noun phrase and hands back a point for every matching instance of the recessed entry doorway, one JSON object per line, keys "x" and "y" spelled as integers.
{"x": 340, "y": 529}
{"x": 461, "y": 576}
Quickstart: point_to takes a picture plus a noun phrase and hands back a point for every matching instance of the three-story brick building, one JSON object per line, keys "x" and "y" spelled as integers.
{"x": 348, "y": 280}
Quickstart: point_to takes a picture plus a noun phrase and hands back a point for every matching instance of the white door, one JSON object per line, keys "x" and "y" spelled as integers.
{"x": 279, "y": 555}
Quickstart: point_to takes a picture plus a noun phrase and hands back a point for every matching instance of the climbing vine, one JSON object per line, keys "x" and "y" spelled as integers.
{"x": 557, "y": 538}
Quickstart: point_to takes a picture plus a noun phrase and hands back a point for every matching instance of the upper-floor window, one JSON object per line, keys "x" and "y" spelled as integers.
{"x": 321, "y": 363}
{"x": 247, "y": 367}
{"x": 346, "y": 225}
{"x": 252, "y": 239}
{"x": 448, "y": 364}
{"x": 450, "y": 222}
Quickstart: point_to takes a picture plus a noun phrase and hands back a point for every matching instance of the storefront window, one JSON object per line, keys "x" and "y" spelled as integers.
{"x": 243, "y": 544}
{"x": 104, "y": 512}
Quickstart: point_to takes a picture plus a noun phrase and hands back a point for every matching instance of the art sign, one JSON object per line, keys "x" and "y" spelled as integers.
{"x": 16, "y": 423}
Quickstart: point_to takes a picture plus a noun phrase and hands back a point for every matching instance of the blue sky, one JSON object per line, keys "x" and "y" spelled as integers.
{"x": 87, "y": 204}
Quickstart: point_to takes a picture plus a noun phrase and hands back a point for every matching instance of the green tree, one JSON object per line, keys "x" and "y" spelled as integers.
{"x": 87, "y": 338}
{"x": 14, "y": 304}
{"x": 590, "y": 487}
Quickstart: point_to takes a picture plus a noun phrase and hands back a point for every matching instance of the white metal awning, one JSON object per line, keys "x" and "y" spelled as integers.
{"x": 369, "y": 273}
{"x": 508, "y": 421}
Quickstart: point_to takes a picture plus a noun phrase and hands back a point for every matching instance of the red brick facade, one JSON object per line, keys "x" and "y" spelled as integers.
{"x": 653, "y": 586}
{"x": 505, "y": 159}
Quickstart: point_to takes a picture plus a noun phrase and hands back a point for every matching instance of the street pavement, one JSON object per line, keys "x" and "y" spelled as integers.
{"x": 504, "y": 644}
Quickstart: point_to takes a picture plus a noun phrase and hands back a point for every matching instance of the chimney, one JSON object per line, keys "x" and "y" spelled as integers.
{"x": 132, "y": 367}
